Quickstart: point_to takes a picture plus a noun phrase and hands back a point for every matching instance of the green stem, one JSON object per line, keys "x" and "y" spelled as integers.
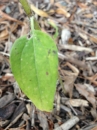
{"x": 26, "y": 7}
{"x": 32, "y": 24}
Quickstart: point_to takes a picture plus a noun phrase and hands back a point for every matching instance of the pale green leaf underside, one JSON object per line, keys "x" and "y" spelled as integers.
{"x": 37, "y": 65}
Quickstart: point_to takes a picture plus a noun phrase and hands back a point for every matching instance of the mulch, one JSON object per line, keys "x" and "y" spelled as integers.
{"x": 75, "y": 34}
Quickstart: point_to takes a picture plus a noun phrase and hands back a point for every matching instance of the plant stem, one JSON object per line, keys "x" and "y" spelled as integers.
{"x": 26, "y": 7}
{"x": 32, "y": 24}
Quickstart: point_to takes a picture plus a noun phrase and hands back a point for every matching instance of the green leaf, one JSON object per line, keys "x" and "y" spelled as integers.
{"x": 15, "y": 58}
{"x": 34, "y": 63}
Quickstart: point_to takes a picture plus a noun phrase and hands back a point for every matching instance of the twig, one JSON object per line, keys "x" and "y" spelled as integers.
{"x": 60, "y": 80}
{"x": 6, "y": 54}
{"x": 91, "y": 58}
{"x": 76, "y": 48}
{"x": 77, "y": 62}
{"x": 69, "y": 124}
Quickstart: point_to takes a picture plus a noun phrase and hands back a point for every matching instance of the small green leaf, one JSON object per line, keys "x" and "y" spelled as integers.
{"x": 34, "y": 63}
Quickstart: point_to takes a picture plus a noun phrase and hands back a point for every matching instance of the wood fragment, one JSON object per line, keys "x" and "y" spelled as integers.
{"x": 76, "y": 48}
{"x": 69, "y": 124}
{"x": 77, "y": 62}
{"x": 91, "y": 58}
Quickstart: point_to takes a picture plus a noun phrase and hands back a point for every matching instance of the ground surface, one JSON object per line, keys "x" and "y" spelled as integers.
{"x": 76, "y": 38}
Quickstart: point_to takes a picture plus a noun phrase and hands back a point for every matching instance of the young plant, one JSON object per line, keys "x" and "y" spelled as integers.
{"x": 34, "y": 63}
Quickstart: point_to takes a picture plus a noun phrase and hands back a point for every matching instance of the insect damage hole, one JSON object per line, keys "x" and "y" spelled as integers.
{"x": 47, "y": 73}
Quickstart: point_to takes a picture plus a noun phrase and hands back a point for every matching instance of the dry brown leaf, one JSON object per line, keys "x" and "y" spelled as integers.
{"x": 77, "y": 102}
{"x": 93, "y": 39}
{"x": 51, "y": 12}
{"x": 70, "y": 78}
{"x": 52, "y": 1}
{"x": 6, "y": 16}
{"x": 88, "y": 15}
{"x": 82, "y": 5}
{"x": 62, "y": 10}
{"x": 95, "y": 128}
{"x": 93, "y": 79}
{"x": 38, "y": 11}
{"x": 2, "y": 20}
{"x": 69, "y": 83}
{"x": 94, "y": 113}
{"x": 95, "y": 3}
{"x": 89, "y": 95}
{"x": 5, "y": 33}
